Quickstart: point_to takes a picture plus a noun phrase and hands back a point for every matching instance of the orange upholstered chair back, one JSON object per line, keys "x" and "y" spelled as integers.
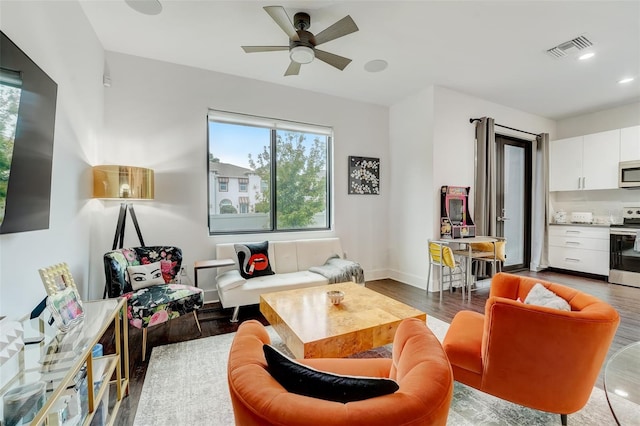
{"x": 541, "y": 357}
{"x": 419, "y": 366}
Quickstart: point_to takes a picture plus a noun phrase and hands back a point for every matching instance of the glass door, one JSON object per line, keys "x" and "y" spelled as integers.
{"x": 514, "y": 200}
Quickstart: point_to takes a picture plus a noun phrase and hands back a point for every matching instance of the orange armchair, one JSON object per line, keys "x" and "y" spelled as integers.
{"x": 419, "y": 366}
{"x": 542, "y": 358}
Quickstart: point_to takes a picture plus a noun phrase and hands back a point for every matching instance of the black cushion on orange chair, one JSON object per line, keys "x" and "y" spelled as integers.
{"x": 304, "y": 380}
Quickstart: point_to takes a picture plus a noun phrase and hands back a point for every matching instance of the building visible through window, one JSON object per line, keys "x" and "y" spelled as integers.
{"x": 243, "y": 184}
{"x": 223, "y": 184}
{"x": 248, "y": 155}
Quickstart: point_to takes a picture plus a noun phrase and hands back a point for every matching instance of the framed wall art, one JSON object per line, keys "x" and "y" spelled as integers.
{"x": 63, "y": 299}
{"x": 364, "y": 175}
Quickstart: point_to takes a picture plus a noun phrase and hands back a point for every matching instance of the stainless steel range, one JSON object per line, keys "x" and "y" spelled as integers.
{"x": 624, "y": 261}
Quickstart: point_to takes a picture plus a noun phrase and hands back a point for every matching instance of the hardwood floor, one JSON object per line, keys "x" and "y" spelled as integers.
{"x": 214, "y": 320}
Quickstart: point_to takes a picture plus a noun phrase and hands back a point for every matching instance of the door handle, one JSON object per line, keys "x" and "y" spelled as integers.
{"x": 501, "y": 219}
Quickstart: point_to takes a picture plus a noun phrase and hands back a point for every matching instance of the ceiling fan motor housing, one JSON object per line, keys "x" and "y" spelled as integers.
{"x": 301, "y": 21}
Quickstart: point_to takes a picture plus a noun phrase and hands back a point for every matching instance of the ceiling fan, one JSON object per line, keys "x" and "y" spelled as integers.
{"x": 302, "y": 43}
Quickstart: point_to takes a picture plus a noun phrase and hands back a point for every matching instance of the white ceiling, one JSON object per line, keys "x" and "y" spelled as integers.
{"x": 492, "y": 50}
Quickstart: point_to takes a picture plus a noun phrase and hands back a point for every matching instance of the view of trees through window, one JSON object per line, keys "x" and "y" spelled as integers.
{"x": 274, "y": 178}
{"x": 9, "y": 102}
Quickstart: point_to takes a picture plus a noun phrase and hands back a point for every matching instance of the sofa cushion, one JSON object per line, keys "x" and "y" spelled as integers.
{"x": 141, "y": 276}
{"x": 314, "y": 252}
{"x": 229, "y": 280}
{"x": 541, "y": 296}
{"x": 254, "y": 259}
{"x": 249, "y": 292}
{"x": 285, "y": 256}
{"x": 304, "y": 380}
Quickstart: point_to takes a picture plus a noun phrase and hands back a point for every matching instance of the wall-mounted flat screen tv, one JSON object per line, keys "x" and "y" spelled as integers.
{"x": 27, "y": 123}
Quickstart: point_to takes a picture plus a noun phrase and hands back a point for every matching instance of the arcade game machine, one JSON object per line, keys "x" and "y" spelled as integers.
{"x": 455, "y": 220}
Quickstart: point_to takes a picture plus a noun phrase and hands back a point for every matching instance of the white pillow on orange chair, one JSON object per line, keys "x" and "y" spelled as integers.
{"x": 539, "y": 295}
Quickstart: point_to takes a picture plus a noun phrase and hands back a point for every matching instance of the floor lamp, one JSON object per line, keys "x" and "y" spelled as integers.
{"x": 125, "y": 183}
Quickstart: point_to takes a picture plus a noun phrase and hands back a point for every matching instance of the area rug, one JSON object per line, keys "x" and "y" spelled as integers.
{"x": 186, "y": 384}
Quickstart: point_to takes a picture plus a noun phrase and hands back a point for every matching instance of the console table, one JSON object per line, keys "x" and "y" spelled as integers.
{"x": 207, "y": 264}
{"x": 54, "y": 365}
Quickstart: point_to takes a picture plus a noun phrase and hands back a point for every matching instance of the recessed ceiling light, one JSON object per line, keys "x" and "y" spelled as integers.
{"x": 147, "y": 7}
{"x": 587, "y": 56}
{"x": 376, "y": 65}
{"x": 626, "y": 80}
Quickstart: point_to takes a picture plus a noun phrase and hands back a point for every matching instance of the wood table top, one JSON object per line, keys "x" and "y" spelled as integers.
{"x": 312, "y": 327}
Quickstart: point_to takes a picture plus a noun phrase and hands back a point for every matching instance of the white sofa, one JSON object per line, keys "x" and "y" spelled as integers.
{"x": 290, "y": 261}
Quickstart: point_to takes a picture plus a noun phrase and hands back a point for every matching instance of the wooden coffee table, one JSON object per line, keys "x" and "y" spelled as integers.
{"x": 312, "y": 327}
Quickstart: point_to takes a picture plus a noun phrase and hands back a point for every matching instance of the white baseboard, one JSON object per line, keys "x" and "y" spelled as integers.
{"x": 410, "y": 279}
{"x": 376, "y": 274}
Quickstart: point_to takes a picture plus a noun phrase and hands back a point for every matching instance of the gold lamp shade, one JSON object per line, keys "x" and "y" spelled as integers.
{"x": 123, "y": 182}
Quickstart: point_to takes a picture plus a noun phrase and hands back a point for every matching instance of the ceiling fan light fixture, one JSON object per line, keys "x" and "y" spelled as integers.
{"x": 302, "y": 54}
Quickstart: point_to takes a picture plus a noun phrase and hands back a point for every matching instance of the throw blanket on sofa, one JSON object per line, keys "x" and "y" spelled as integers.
{"x": 338, "y": 270}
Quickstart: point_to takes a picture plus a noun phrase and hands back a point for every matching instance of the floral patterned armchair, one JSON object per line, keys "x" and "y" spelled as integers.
{"x": 157, "y": 303}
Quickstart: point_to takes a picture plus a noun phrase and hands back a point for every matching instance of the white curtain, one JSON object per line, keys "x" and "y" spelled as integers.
{"x": 486, "y": 189}
{"x": 484, "y": 210}
{"x": 540, "y": 202}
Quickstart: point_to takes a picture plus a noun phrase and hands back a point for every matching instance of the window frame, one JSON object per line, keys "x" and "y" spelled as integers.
{"x": 243, "y": 183}
{"x": 274, "y": 125}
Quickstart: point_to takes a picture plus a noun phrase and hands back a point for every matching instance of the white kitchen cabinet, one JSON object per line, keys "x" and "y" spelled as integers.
{"x": 579, "y": 248}
{"x": 585, "y": 162}
{"x": 600, "y": 158}
{"x": 630, "y": 144}
{"x": 565, "y": 164}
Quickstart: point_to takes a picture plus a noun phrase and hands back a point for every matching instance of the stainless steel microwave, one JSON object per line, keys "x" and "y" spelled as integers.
{"x": 629, "y": 174}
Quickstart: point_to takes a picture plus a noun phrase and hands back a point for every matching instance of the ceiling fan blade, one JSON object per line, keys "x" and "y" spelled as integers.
{"x": 337, "y": 61}
{"x": 254, "y": 49}
{"x": 294, "y": 69}
{"x": 279, "y": 15}
{"x": 341, "y": 28}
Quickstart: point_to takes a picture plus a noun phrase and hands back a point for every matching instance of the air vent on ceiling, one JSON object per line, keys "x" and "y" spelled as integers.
{"x": 564, "y": 49}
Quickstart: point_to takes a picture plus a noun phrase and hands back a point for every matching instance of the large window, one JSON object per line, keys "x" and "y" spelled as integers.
{"x": 276, "y": 173}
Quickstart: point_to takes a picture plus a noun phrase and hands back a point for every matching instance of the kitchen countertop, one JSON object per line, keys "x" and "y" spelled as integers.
{"x": 590, "y": 225}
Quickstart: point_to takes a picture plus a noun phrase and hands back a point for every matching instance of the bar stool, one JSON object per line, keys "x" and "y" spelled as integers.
{"x": 490, "y": 253}
{"x": 441, "y": 256}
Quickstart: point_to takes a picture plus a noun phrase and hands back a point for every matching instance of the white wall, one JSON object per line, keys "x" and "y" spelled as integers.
{"x": 411, "y": 203}
{"x": 445, "y": 145}
{"x": 609, "y": 119}
{"x": 155, "y": 116}
{"x": 57, "y": 37}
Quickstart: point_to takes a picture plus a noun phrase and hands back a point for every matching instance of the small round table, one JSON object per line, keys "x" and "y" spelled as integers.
{"x": 622, "y": 385}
